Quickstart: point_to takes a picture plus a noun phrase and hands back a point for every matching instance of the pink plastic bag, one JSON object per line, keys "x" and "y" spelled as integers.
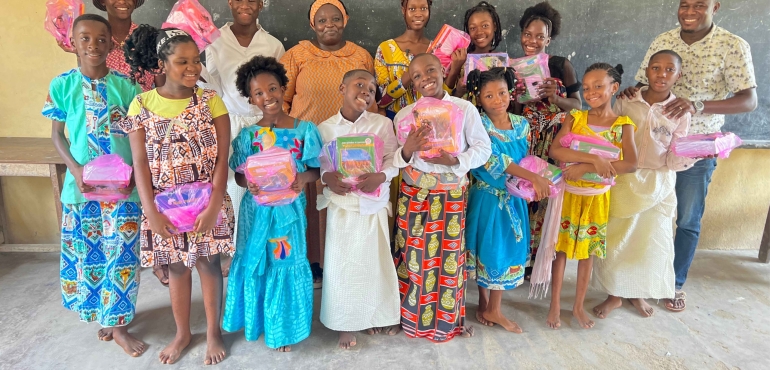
{"x": 59, "y": 16}
{"x": 521, "y": 188}
{"x": 532, "y": 71}
{"x": 446, "y": 42}
{"x": 107, "y": 174}
{"x": 484, "y": 62}
{"x": 273, "y": 170}
{"x": 183, "y": 203}
{"x": 703, "y": 145}
{"x": 592, "y": 145}
{"x": 354, "y": 155}
{"x": 190, "y": 16}
{"x": 445, "y": 117}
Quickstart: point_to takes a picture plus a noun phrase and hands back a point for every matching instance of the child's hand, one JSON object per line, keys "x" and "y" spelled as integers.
{"x": 406, "y": 80}
{"x": 458, "y": 59}
{"x": 520, "y": 89}
{"x": 66, "y": 48}
{"x": 160, "y": 225}
{"x": 575, "y": 172}
{"x": 299, "y": 182}
{"x": 207, "y": 219}
{"x": 77, "y": 173}
{"x": 604, "y": 167}
{"x": 628, "y": 93}
{"x": 334, "y": 181}
{"x": 417, "y": 141}
{"x": 542, "y": 187}
{"x": 369, "y": 182}
{"x": 549, "y": 89}
{"x": 128, "y": 189}
{"x": 445, "y": 159}
{"x": 253, "y": 188}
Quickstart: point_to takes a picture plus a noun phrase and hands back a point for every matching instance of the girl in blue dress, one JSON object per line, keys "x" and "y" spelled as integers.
{"x": 497, "y": 224}
{"x": 270, "y": 287}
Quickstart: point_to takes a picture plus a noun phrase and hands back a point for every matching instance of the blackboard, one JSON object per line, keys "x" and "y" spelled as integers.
{"x": 613, "y": 31}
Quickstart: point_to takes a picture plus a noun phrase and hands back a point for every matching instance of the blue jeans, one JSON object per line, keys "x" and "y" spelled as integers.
{"x": 691, "y": 189}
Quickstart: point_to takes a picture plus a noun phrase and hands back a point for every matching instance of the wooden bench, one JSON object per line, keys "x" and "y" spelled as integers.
{"x": 34, "y": 157}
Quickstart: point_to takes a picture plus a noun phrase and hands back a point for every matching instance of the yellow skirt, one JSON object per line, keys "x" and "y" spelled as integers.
{"x": 583, "y": 228}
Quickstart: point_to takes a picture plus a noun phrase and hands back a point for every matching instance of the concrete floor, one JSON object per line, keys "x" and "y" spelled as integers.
{"x": 726, "y": 326}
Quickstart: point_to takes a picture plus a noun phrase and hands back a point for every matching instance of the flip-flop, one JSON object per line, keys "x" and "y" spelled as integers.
{"x": 679, "y": 298}
{"x": 163, "y": 269}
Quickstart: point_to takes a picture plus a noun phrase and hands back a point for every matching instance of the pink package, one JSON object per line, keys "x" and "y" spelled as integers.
{"x": 484, "y": 62}
{"x": 444, "y": 117}
{"x": 273, "y": 170}
{"x": 107, "y": 174}
{"x": 592, "y": 145}
{"x": 190, "y": 16}
{"x": 59, "y": 16}
{"x": 521, "y": 188}
{"x": 183, "y": 203}
{"x": 446, "y": 42}
{"x": 703, "y": 145}
{"x": 532, "y": 71}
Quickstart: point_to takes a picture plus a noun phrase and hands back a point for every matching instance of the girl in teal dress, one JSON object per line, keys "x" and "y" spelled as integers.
{"x": 270, "y": 287}
{"x": 497, "y": 224}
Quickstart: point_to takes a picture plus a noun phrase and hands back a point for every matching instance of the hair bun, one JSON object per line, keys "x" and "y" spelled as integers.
{"x": 619, "y": 68}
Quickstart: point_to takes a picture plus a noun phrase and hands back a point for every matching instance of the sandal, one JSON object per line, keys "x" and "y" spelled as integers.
{"x": 318, "y": 275}
{"x": 679, "y": 303}
{"x": 161, "y": 272}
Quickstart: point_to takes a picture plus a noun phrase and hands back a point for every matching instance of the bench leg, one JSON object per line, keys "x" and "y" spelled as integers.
{"x": 764, "y": 247}
{"x": 57, "y": 179}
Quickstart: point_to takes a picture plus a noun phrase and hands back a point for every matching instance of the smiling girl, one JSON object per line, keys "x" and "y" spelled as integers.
{"x": 482, "y": 23}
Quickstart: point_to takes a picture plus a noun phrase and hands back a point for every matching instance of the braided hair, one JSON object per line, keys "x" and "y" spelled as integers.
{"x": 614, "y": 72}
{"x": 485, "y": 7}
{"x": 255, "y": 67}
{"x": 545, "y": 13}
{"x": 141, "y": 49}
{"x": 478, "y": 79}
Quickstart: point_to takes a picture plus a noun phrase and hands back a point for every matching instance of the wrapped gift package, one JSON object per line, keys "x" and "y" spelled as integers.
{"x": 183, "y": 203}
{"x": 107, "y": 174}
{"x": 353, "y": 155}
{"x": 276, "y": 198}
{"x": 446, "y": 42}
{"x": 703, "y": 145}
{"x": 444, "y": 117}
{"x": 484, "y": 62}
{"x": 532, "y": 71}
{"x": 592, "y": 145}
{"x": 59, "y": 16}
{"x": 273, "y": 170}
{"x": 522, "y": 188}
{"x": 190, "y": 16}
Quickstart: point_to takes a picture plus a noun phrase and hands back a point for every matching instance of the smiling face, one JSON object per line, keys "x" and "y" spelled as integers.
{"x": 329, "y": 25}
{"x": 481, "y": 28}
{"x": 266, "y": 93}
{"x": 427, "y": 76}
{"x": 416, "y": 14}
{"x": 663, "y": 72}
{"x": 183, "y": 66}
{"x": 495, "y": 97}
{"x": 358, "y": 92}
{"x": 535, "y": 38}
{"x": 245, "y": 12}
{"x": 696, "y": 15}
{"x": 598, "y": 88}
{"x": 120, "y": 9}
{"x": 92, "y": 42}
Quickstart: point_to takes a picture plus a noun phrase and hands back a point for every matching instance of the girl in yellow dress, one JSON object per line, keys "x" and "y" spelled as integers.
{"x": 584, "y": 214}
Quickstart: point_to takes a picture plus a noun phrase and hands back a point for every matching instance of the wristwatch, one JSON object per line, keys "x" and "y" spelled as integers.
{"x": 699, "y": 106}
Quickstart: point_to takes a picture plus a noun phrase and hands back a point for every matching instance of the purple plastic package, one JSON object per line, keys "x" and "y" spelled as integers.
{"x": 183, "y": 203}
{"x": 273, "y": 170}
{"x": 107, "y": 174}
{"x": 532, "y": 71}
{"x": 484, "y": 62}
{"x": 444, "y": 117}
{"x": 704, "y": 145}
{"x": 522, "y": 188}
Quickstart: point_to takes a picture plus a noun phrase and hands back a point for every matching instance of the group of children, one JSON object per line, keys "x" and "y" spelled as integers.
{"x": 448, "y": 227}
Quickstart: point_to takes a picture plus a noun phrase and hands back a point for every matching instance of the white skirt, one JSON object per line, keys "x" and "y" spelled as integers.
{"x": 640, "y": 237}
{"x": 360, "y": 283}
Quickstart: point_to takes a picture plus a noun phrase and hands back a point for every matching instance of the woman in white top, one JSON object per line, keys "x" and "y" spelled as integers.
{"x": 241, "y": 40}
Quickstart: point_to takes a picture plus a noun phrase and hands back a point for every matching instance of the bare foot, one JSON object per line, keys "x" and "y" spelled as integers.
{"x": 134, "y": 347}
{"x": 582, "y": 318}
{"x": 554, "y": 318}
{"x": 226, "y": 261}
{"x": 372, "y": 331}
{"x": 498, "y": 318}
{"x": 392, "y": 330}
{"x": 480, "y": 318}
{"x": 641, "y": 305}
{"x": 347, "y": 340}
{"x": 603, "y": 309}
{"x": 284, "y": 349}
{"x": 105, "y": 334}
{"x": 215, "y": 349}
{"x": 173, "y": 351}
{"x": 468, "y": 331}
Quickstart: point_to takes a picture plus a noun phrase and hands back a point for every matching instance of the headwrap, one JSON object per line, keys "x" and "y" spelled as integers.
{"x": 319, "y": 3}
{"x": 164, "y": 36}
{"x": 99, "y": 4}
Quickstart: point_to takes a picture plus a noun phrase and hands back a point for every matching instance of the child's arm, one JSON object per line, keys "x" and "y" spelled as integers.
{"x": 588, "y": 162}
{"x": 207, "y": 220}
{"x": 311, "y": 175}
{"x": 458, "y": 59}
{"x": 540, "y": 183}
{"x": 629, "y": 161}
{"x": 159, "y": 224}
{"x": 63, "y": 147}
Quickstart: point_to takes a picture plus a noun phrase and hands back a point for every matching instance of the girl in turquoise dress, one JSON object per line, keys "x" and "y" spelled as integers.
{"x": 270, "y": 287}
{"x": 497, "y": 224}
